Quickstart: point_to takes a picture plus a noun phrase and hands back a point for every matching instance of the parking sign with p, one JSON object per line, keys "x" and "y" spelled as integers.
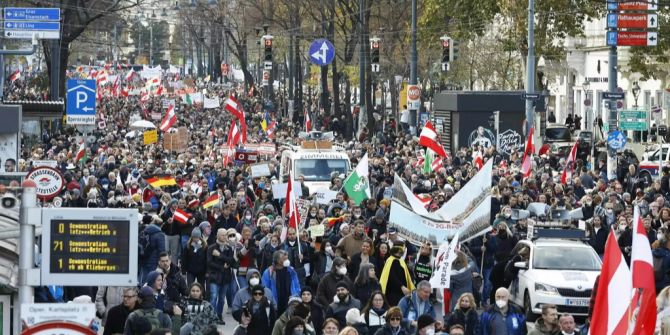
{"x": 81, "y": 100}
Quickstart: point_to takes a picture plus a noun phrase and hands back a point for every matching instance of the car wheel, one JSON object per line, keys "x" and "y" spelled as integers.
{"x": 646, "y": 177}
{"x": 528, "y": 308}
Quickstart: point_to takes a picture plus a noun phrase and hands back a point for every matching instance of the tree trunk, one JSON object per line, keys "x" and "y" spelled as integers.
{"x": 349, "y": 126}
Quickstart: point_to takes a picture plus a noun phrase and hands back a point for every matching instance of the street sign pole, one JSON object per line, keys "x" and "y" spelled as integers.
{"x": 530, "y": 66}
{"x": 27, "y": 220}
{"x": 612, "y": 117}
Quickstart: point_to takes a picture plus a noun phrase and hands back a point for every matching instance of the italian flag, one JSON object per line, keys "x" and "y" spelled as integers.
{"x": 81, "y": 153}
{"x": 357, "y": 185}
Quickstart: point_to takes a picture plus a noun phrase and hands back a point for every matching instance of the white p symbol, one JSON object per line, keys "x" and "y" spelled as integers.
{"x": 81, "y": 98}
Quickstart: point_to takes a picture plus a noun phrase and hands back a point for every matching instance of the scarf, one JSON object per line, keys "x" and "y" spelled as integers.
{"x": 383, "y": 280}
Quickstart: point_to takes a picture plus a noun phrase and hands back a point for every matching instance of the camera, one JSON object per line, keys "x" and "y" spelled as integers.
{"x": 8, "y": 201}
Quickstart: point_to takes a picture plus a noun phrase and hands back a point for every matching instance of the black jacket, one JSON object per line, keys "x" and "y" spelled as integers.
{"x": 468, "y": 320}
{"x": 116, "y": 319}
{"x": 598, "y": 239}
{"x": 263, "y": 319}
{"x": 194, "y": 261}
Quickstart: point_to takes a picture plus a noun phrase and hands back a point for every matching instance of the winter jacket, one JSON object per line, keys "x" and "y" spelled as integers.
{"x": 270, "y": 282}
{"x": 194, "y": 260}
{"x": 201, "y": 314}
{"x": 374, "y": 320}
{"x": 515, "y": 321}
{"x": 339, "y": 309}
{"x": 469, "y": 320}
{"x": 461, "y": 282}
{"x": 243, "y": 295}
{"x": 116, "y": 319}
{"x": 541, "y": 328}
{"x": 662, "y": 255}
{"x": 364, "y": 291}
{"x": 355, "y": 265}
{"x": 263, "y": 317}
{"x": 327, "y": 290}
{"x": 597, "y": 239}
{"x": 409, "y": 305}
{"x": 176, "y": 287}
{"x": 219, "y": 268}
{"x": 156, "y": 245}
{"x": 386, "y": 330}
{"x": 106, "y": 298}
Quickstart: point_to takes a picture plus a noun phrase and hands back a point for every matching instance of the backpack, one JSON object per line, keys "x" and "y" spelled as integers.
{"x": 152, "y": 317}
{"x": 144, "y": 245}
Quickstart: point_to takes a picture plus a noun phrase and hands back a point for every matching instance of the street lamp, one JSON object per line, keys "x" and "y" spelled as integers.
{"x": 636, "y": 92}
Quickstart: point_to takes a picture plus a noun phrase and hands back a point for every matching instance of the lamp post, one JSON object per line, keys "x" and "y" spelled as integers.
{"x": 636, "y": 92}
{"x": 590, "y": 120}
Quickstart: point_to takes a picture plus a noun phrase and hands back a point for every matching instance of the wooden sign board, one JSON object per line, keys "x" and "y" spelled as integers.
{"x": 150, "y": 137}
{"x": 177, "y": 141}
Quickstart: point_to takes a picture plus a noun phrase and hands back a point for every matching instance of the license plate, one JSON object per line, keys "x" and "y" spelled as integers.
{"x": 577, "y": 302}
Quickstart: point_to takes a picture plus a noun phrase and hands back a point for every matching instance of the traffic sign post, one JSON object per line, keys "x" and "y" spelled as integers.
{"x": 632, "y": 38}
{"x": 321, "y": 52}
{"x": 81, "y": 101}
{"x": 616, "y": 140}
{"x": 632, "y": 21}
{"x": 24, "y": 23}
{"x": 614, "y": 96}
{"x": 633, "y": 120}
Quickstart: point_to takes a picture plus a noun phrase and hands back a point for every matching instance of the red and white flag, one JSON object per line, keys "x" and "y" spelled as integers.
{"x": 569, "y": 165}
{"x": 169, "y": 120}
{"x": 236, "y": 109}
{"x": 81, "y": 152}
{"x": 642, "y": 266}
{"x": 130, "y": 75}
{"x": 233, "y": 140}
{"x": 526, "y": 165}
{"x": 15, "y": 76}
{"x": 428, "y": 138}
{"x": 308, "y": 122}
{"x": 610, "y": 314}
{"x": 478, "y": 160}
{"x": 291, "y": 209}
{"x": 181, "y": 216}
{"x": 437, "y": 164}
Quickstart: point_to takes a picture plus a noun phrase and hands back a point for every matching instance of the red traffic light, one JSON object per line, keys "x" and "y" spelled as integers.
{"x": 268, "y": 42}
{"x": 445, "y": 44}
{"x": 375, "y": 45}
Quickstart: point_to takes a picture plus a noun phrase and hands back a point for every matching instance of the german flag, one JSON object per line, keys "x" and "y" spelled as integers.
{"x": 332, "y": 221}
{"x": 161, "y": 180}
{"x": 211, "y": 201}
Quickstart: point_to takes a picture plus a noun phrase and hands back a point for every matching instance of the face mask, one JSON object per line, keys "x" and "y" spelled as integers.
{"x": 589, "y": 202}
{"x": 329, "y": 249}
{"x": 659, "y": 236}
{"x": 313, "y": 213}
{"x": 501, "y": 303}
{"x": 287, "y": 263}
{"x": 342, "y": 271}
{"x": 622, "y": 227}
{"x": 254, "y": 281}
{"x": 297, "y": 332}
{"x": 248, "y": 217}
{"x": 198, "y": 242}
{"x": 430, "y": 331}
{"x": 610, "y": 211}
{"x": 231, "y": 239}
{"x": 507, "y": 215}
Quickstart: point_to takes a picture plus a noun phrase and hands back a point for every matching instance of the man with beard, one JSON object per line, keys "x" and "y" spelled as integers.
{"x": 395, "y": 279}
{"x": 352, "y": 243}
{"x": 344, "y": 302}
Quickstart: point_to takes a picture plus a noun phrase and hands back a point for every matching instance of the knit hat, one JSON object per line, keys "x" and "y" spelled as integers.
{"x": 146, "y": 292}
{"x": 342, "y": 283}
{"x": 380, "y": 214}
{"x": 306, "y": 289}
{"x": 424, "y": 321}
{"x": 353, "y": 316}
{"x": 151, "y": 278}
{"x": 196, "y": 233}
{"x": 204, "y": 225}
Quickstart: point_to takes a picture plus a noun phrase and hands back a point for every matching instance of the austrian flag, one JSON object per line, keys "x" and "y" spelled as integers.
{"x": 428, "y": 138}
{"x": 169, "y": 120}
{"x": 181, "y": 216}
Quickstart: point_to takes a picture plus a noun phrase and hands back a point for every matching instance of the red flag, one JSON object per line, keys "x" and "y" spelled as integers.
{"x": 569, "y": 165}
{"x": 642, "y": 264}
{"x": 81, "y": 152}
{"x": 428, "y": 138}
{"x": 610, "y": 314}
{"x": 181, "y": 216}
{"x": 478, "y": 161}
{"x": 169, "y": 120}
{"x": 236, "y": 109}
{"x": 526, "y": 165}
{"x": 15, "y": 76}
{"x": 291, "y": 209}
{"x": 233, "y": 140}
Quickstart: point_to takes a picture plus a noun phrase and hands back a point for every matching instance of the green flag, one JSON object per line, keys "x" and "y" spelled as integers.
{"x": 187, "y": 99}
{"x": 428, "y": 161}
{"x": 357, "y": 185}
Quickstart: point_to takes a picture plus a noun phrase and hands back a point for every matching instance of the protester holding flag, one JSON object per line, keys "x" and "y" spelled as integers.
{"x": 151, "y": 244}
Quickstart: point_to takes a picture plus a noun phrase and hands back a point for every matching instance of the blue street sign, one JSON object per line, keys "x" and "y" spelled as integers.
{"x": 32, "y": 14}
{"x": 321, "y": 52}
{"x": 29, "y": 25}
{"x": 611, "y": 38}
{"x": 616, "y": 140}
{"x": 612, "y": 20}
{"x": 81, "y": 99}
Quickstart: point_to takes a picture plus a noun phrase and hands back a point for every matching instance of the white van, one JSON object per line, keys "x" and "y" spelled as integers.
{"x": 317, "y": 159}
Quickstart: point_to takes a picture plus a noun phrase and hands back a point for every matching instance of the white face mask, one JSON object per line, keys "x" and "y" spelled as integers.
{"x": 287, "y": 263}
{"x": 622, "y": 227}
{"x": 659, "y": 236}
{"x": 329, "y": 249}
{"x": 501, "y": 303}
{"x": 231, "y": 239}
{"x": 254, "y": 281}
{"x": 430, "y": 331}
{"x": 248, "y": 217}
{"x": 342, "y": 270}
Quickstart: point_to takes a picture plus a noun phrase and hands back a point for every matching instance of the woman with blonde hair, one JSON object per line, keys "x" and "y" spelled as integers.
{"x": 464, "y": 314}
{"x": 349, "y": 330}
{"x": 663, "y": 310}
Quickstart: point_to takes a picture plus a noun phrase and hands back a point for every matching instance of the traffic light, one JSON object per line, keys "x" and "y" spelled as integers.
{"x": 445, "y": 50}
{"x": 374, "y": 58}
{"x": 453, "y": 50}
{"x": 268, "y": 48}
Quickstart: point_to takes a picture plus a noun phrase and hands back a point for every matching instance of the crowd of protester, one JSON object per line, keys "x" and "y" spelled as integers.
{"x": 231, "y": 262}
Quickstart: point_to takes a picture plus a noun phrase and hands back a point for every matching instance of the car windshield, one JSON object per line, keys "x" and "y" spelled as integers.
{"x": 558, "y": 134}
{"x": 320, "y": 169}
{"x": 565, "y": 258}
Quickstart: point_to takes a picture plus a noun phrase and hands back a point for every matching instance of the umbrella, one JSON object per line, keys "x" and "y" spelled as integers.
{"x": 131, "y": 134}
{"x": 141, "y": 124}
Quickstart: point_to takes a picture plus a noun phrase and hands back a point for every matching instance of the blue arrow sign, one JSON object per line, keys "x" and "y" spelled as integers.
{"x": 29, "y": 25}
{"x": 321, "y": 52}
{"x": 616, "y": 140}
{"x": 81, "y": 99}
{"x": 612, "y": 20}
{"x": 32, "y": 14}
{"x": 611, "y": 38}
